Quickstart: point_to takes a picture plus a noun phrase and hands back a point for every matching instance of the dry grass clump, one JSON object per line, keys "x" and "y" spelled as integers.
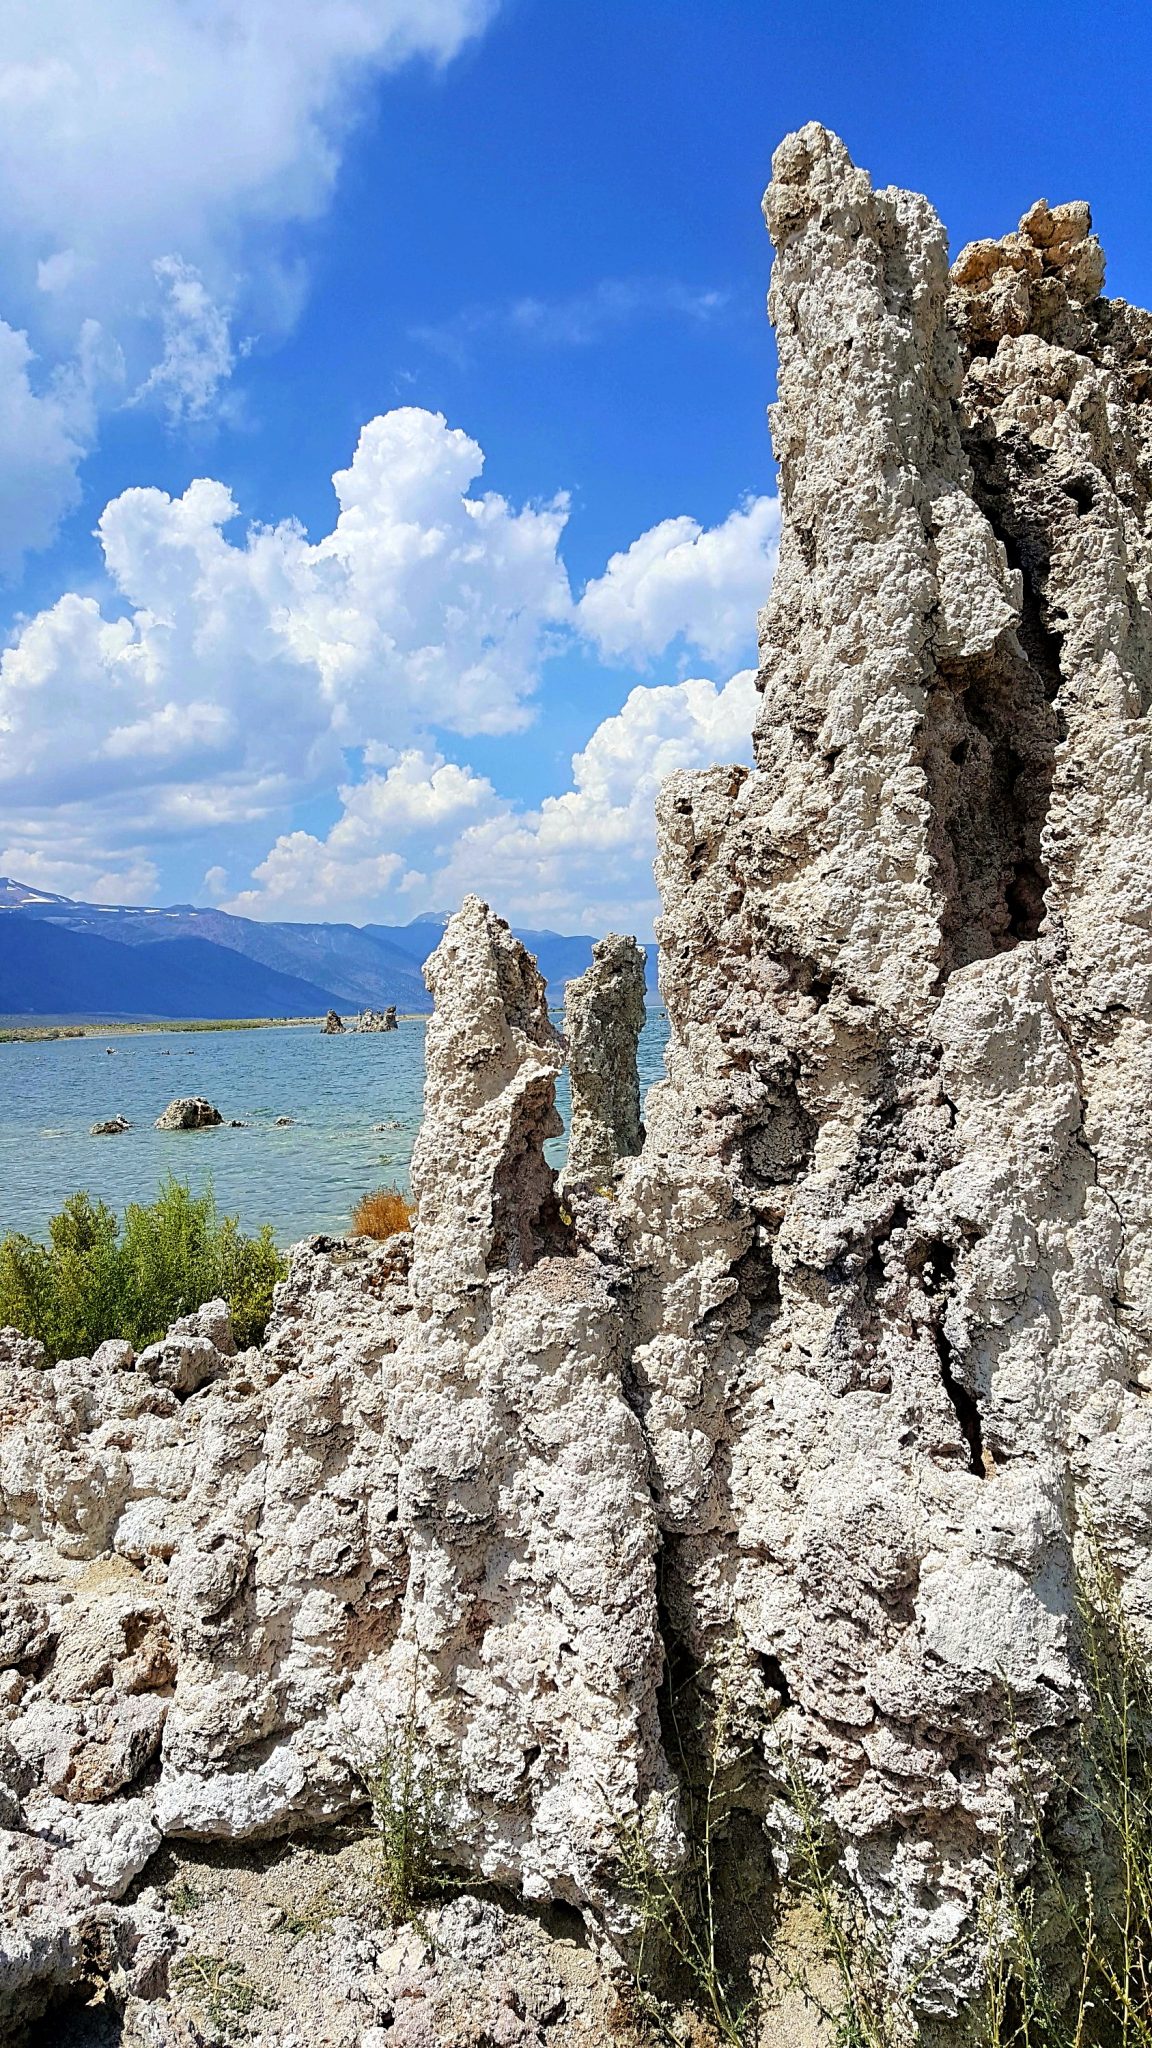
{"x": 696, "y": 1925}
{"x": 1070, "y": 1962}
{"x": 221, "y": 1991}
{"x": 381, "y": 1214}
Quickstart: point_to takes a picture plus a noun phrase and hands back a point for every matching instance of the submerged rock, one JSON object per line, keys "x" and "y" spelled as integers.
{"x": 110, "y": 1128}
{"x": 189, "y": 1113}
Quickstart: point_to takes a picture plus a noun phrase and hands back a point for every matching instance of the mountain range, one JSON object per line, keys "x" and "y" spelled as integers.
{"x": 62, "y": 958}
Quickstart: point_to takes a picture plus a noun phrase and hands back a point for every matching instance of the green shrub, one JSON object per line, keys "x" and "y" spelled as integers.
{"x": 406, "y": 1800}
{"x": 94, "y": 1280}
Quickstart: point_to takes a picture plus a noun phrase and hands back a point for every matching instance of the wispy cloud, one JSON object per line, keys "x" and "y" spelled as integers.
{"x": 578, "y": 320}
{"x": 198, "y": 350}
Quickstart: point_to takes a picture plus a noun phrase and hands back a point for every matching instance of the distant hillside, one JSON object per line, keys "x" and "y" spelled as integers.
{"x": 19, "y": 896}
{"x": 47, "y": 970}
{"x": 240, "y": 967}
{"x": 359, "y": 972}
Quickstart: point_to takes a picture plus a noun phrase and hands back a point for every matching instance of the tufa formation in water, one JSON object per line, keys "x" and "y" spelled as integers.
{"x": 810, "y": 1391}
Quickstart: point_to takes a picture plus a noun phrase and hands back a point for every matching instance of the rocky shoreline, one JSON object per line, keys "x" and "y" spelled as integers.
{"x": 809, "y": 1404}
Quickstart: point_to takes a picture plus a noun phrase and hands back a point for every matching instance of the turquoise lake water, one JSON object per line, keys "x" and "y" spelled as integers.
{"x": 303, "y": 1178}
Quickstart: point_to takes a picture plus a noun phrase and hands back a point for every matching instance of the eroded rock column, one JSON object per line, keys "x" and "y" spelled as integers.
{"x": 603, "y": 1019}
{"x": 530, "y": 1648}
{"x": 889, "y": 1231}
{"x": 485, "y": 1200}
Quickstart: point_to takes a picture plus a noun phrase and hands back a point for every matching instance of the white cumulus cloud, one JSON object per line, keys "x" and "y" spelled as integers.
{"x": 235, "y": 671}
{"x": 414, "y": 810}
{"x": 231, "y": 675}
{"x": 428, "y": 831}
{"x": 683, "y": 581}
{"x": 583, "y": 860}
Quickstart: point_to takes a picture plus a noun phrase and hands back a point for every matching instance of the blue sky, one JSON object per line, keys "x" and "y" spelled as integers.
{"x": 237, "y": 237}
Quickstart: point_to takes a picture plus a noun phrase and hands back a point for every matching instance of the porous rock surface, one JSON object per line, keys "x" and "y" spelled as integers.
{"x": 858, "y": 1341}
{"x": 423, "y": 1501}
{"x": 893, "y": 1348}
{"x": 189, "y": 1113}
{"x": 377, "y": 1020}
{"x": 603, "y": 1019}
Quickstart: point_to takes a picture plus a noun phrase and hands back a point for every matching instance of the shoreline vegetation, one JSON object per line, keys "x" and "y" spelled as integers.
{"x": 12, "y": 1033}
{"x": 101, "y": 1277}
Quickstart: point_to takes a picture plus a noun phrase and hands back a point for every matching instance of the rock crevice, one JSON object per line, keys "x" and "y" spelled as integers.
{"x": 809, "y": 1386}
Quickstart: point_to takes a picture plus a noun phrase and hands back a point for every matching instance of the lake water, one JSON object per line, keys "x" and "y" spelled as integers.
{"x": 303, "y": 1178}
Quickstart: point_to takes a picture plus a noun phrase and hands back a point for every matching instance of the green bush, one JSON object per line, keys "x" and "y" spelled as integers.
{"x": 94, "y": 1280}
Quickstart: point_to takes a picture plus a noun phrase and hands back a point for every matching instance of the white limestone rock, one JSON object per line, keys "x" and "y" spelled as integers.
{"x": 603, "y": 1019}
{"x": 891, "y": 1217}
{"x": 189, "y": 1113}
{"x": 859, "y": 1339}
{"x": 414, "y": 1512}
{"x": 195, "y": 1350}
{"x": 485, "y": 1197}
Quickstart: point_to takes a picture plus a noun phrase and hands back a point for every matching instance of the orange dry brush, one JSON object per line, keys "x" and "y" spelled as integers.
{"x": 382, "y": 1213}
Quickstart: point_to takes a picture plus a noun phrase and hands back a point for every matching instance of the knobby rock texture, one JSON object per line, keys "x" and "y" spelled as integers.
{"x": 891, "y": 1218}
{"x": 189, "y": 1113}
{"x": 603, "y": 1019}
{"x": 809, "y": 1393}
{"x": 419, "y": 1514}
